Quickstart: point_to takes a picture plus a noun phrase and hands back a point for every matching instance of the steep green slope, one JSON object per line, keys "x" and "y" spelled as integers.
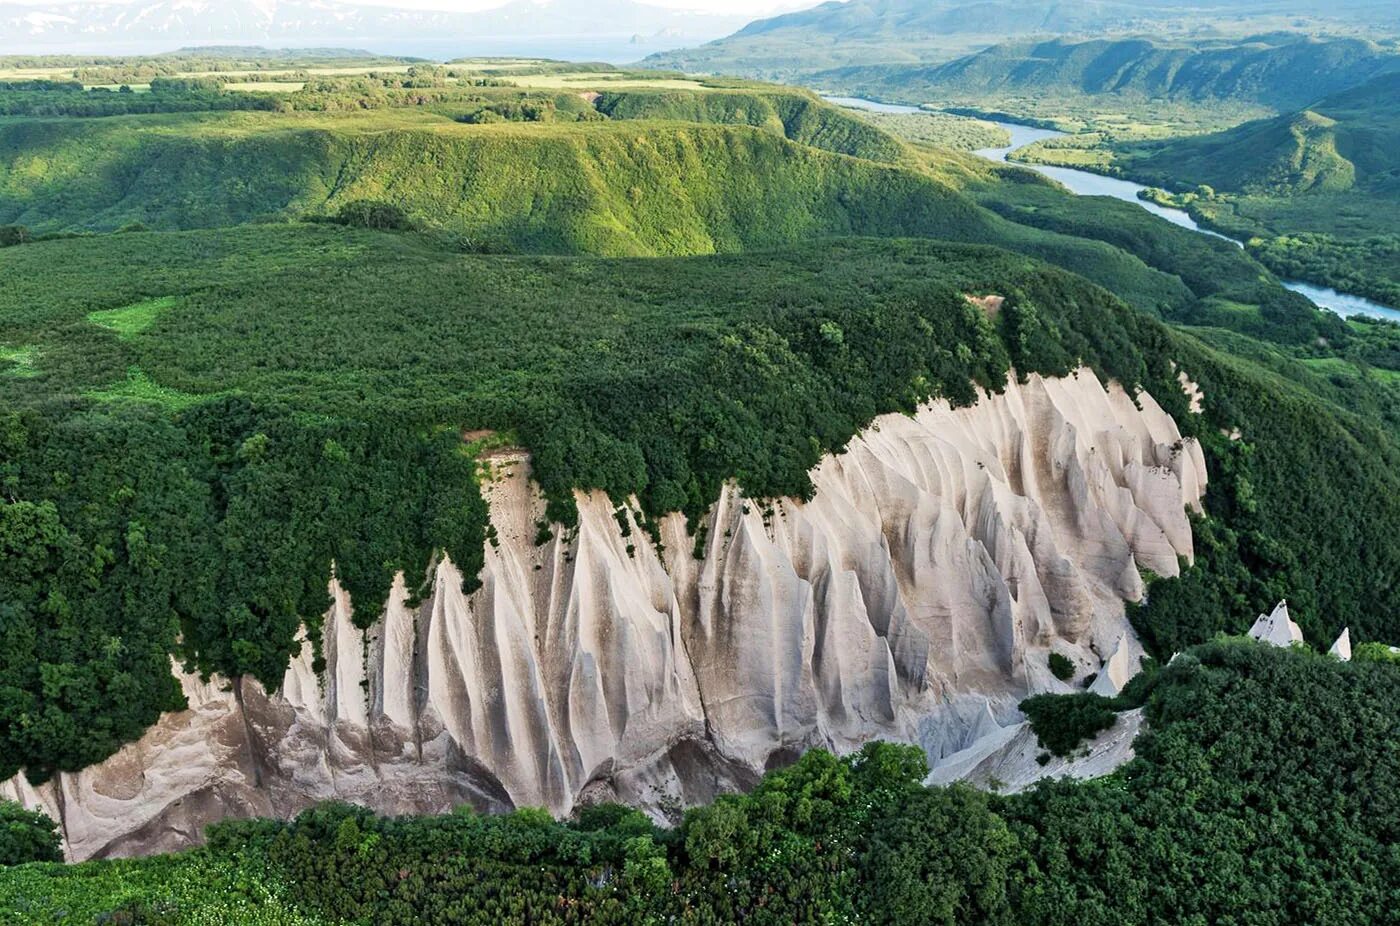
{"x": 1350, "y": 140}
{"x": 1317, "y": 192}
{"x": 795, "y": 115}
{"x": 612, "y": 189}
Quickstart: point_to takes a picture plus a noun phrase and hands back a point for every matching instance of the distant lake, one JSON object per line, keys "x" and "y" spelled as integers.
{"x": 1084, "y": 183}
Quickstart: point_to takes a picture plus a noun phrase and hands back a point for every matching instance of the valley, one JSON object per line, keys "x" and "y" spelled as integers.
{"x": 1085, "y": 183}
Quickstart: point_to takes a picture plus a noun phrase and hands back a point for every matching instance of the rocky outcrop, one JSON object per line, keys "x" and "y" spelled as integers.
{"x": 1341, "y": 648}
{"x": 915, "y": 598}
{"x": 1119, "y": 668}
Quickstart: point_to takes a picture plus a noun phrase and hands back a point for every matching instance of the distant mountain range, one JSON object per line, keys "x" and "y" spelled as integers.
{"x": 1280, "y": 71}
{"x": 93, "y": 26}
{"x": 913, "y": 32}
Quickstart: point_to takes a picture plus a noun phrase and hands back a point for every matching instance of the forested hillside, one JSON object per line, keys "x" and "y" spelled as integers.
{"x": 1278, "y": 72}
{"x": 251, "y": 339}
{"x": 127, "y": 352}
{"x": 1346, "y": 141}
{"x": 1316, "y": 191}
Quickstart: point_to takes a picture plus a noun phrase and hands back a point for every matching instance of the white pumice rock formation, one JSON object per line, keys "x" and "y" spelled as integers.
{"x": 1119, "y": 668}
{"x": 1342, "y": 647}
{"x": 915, "y": 598}
{"x": 1276, "y": 628}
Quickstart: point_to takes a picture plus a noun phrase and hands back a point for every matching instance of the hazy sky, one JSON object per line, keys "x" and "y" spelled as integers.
{"x": 756, "y": 7}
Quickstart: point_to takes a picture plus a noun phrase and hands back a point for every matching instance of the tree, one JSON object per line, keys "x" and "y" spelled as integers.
{"x": 941, "y": 857}
{"x": 27, "y": 836}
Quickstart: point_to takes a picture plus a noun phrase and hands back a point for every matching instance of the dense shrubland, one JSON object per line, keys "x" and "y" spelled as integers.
{"x": 1265, "y": 790}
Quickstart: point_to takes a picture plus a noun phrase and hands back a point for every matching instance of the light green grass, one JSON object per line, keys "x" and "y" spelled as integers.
{"x": 19, "y": 361}
{"x": 612, "y": 80}
{"x": 129, "y": 321}
{"x": 141, "y": 388}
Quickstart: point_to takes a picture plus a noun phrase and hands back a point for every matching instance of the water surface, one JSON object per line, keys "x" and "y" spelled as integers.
{"x": 1084, "y": 183}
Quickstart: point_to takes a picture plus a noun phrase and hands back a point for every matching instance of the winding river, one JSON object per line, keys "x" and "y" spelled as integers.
{"x": 1084, "y": 183}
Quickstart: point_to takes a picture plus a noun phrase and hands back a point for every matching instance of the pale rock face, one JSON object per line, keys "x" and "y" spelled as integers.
{"x": 1342, "y": 647}
{"x": 915, "y": 598}
{"x": 1119, "y": 668}
{"x": 1007, "y": 761}
{"x": 1276, "y": 629}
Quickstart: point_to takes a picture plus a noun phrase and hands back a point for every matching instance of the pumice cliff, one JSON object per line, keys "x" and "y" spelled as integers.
{"x": 915, "y": 598}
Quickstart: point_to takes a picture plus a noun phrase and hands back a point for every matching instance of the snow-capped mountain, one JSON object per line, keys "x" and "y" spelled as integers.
{"x": 29, "y": 27}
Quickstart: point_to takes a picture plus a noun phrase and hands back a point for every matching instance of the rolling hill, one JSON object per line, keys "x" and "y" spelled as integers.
{"x": 1347, "y": 141}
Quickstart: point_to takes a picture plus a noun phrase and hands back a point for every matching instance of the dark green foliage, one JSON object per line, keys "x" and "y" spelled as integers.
{"x": 174, "y": 96}
{"x": 1362, "y": 265}
{"x": 11, "y": 235}
{"x": 27, "y": 836}
{"x": 123, "y": 526}
{"x": 1061, "y": 667}
{"x": 466, "y": 868}
{"x": 941, "y": 857}
{"x": 1266, "y": 782}
{"x": 1062, "y": 722}
{"x": 364, "y": 213}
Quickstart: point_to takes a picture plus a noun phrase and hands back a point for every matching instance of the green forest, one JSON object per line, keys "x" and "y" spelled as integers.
{"x": 243, "y": 334}
{"x": 122, "y": 353}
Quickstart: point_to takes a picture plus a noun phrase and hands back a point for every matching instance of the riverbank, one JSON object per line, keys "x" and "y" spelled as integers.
{"x": 1087, "y": 183}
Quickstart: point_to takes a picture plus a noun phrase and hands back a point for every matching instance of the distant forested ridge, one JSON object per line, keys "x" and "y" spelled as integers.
{"x": 1280, "y": 71}
{"x": 912, "y": 33}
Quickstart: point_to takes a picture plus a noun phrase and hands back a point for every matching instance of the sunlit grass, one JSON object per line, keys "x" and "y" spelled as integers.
{"x": 129, "y": 321}
{"x": 141, "y": 388}
{"x": 19, "y": 361}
